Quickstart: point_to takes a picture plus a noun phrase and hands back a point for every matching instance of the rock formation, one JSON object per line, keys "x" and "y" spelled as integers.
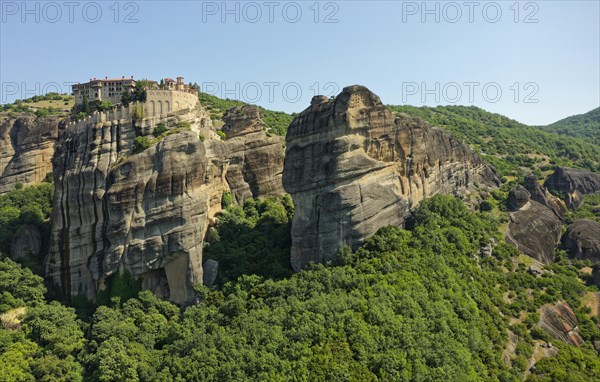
{"x": 26, "y": 243}
{"x": 145, "y": 213}
{"x": 26, "y": 149}
{"x": 533, "y": 228}
{"x": 582, "y": 240}
{"x": 517, "y": 198}
{"x": 352, "y": 168}
{"x": 572, "y": 184}
{"x": 255, "y": 159}
{"x": 542, "y": 196}
{"x": 596, "y": 274}
{"x": 560, "y": 322}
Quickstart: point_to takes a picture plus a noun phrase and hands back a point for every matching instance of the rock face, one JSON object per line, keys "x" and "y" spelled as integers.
{"x": 560, "y": 322}
{"x": 542, "y": 196}
{"x": 533, "y": 228}
{"x": 518, "y": 197}
{"x": 26, "y": 149}
{"x": 255, "y": 160}
{"x": 27, "y": 243}
{"x": 145, "y": 213}
{"x": 596, "y": 274}
{"x": 211, "y": 270}
{"x": 352, "y": 168}
{"x": 582, "y": 240}
{"x": 573, "y": 183}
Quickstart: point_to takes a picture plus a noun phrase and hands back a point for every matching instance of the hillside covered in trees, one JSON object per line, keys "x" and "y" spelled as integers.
{"x": 513, "y": 148}
{"x": 415, "y": 304}
{"x": 427, "y": 302}
{"x": 581, "y": 126}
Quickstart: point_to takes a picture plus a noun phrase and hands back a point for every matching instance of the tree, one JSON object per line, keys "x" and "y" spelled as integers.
{"x": 85, "y": 106}
{"x": 125, "y": 98}
{"x": 19, "y": 286}
{"x": 139, "y": 91}
{"x": 159, "y": 129}
{"x": 104, "y": 106}
{"x": 55, "y": 327}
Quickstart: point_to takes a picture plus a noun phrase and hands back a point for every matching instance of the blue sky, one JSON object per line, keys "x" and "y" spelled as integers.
{"x": 536, "y": 62}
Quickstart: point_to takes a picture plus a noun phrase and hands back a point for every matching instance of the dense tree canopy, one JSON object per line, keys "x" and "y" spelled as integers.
{"x": 418, "y": 304}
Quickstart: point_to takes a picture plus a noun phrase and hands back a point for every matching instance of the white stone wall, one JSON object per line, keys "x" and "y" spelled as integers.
{"x": 160, "y": 102}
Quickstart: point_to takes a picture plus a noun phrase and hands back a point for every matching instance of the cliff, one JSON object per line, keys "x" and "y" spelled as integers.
{"x": 255, "y": 159}
{"x": 352, "y": 168}
{"x": 117, "y": 209}
{"x": 146, "y": 213}
{"x": 26, "y": 149}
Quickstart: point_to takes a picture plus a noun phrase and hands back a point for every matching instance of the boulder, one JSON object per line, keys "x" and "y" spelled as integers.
{"x": 582, "y": 240}
{"x": 211, "y": 269}
{"x": 517, "y": 198}
{"x": 26, "y": 243}
{"x": 352, "y": 168}
{"x": 560, "y": 322}
{"x": 572, "y": 184}
{"x": 533, "y": 228}
{"x": 596, "y": 274}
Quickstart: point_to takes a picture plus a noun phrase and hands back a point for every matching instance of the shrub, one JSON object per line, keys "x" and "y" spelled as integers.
{"x": 104, "y": 106}
{"x": 227, "y": 199}
{"x": 201, "y": 137}
{"x": 222, "y": 134}
{"x": 140, "y": 144}
{"x": 159, "y": 129}
{"x": 184, "y": 125}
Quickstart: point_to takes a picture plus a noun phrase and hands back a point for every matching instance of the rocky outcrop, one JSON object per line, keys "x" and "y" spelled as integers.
{"x": 255, "y": 159}
{"x": 352, "y": 168}
{"x": 542, "y": 196}
{"x": 582, "y": 240}
{"x": 572, "y": 184}
{"x": 211, "y": 271}
{"x": 533, "y": 228}
{"x": 26, "y": 243}
{"x": 26, "y": 149}
{"x": 596, "y": 274}
{"x": 146, "y": 213}
{"x": 560, "y": 322}
{"x": 517, "y": 198}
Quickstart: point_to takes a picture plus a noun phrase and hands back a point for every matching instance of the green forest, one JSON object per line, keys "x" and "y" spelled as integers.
{"x": 416, "y": 305}
{"x": 581, "y": 126}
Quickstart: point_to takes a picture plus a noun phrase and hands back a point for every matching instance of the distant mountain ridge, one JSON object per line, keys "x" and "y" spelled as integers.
{"x": 585, "y": 126}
